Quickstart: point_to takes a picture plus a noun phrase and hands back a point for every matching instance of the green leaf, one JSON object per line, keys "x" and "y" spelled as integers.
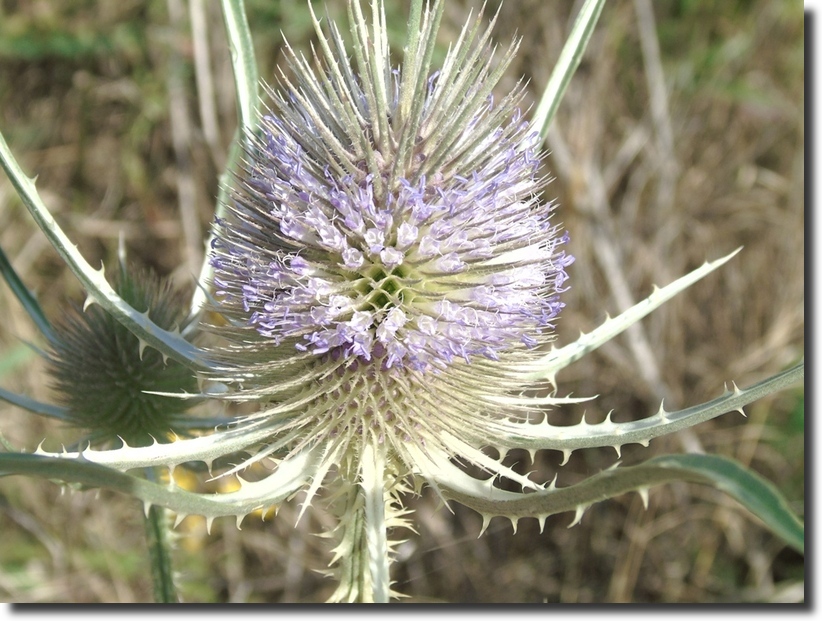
{"x": 244, "y": 63}
{"x": 757, "y": 494}
{"x": 608, "y": 433}
{"x": 26, "y": 298}
{"x": 94, "y": 281}
{"x": 290, "y": 476}
{"x": 556, "y": 360}
{"x": 32, "y": 405}
{"x": 246, "y": 89}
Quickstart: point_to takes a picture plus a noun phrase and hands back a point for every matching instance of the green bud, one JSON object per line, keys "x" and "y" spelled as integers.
{"x": 103, "y": 374}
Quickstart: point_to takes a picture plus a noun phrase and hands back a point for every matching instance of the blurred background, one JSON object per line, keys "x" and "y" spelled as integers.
{"x": 680, "y": 139}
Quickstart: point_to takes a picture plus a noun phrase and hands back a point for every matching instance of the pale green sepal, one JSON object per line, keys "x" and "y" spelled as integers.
{"x": 547, "y": 366}
{"x": 204, "y": 448}
{"x": 93, "y": 280}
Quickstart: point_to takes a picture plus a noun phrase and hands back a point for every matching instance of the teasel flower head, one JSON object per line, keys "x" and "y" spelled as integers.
{"x": 386, "y": 256}
{"x": 107, "y": 380}
{"x": 386, "y": 259}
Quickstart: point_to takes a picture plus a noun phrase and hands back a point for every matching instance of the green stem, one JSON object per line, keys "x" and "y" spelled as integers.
{"x": 158, "y": 540}
{"x": 376, "y": 533}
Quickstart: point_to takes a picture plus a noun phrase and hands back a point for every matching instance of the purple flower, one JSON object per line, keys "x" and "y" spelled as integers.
{"x": 386, "y": 271}
{"x": 331, "y": 240}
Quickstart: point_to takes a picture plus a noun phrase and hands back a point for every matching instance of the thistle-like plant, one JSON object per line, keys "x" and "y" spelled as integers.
{"x": 387, "y": 278}
{"x": 106, "y": 381}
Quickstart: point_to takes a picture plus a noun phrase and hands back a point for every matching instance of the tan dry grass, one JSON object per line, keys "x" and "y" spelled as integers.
{"x": 648, "y": 191}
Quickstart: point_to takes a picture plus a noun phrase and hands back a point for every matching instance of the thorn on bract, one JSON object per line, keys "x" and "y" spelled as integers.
{"x": 643, "y": 494}
{"x": 486, "y": 520}
{"x": 542, "y": 519}
{"x": 577, "y": 516}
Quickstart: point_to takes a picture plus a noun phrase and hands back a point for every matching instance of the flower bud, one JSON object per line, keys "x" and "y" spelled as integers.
{"x": 104, "y": 376}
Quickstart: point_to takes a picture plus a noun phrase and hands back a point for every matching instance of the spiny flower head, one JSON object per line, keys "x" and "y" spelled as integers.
{"x": 106, "y": 378}
{"x": 386, "y": 253}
